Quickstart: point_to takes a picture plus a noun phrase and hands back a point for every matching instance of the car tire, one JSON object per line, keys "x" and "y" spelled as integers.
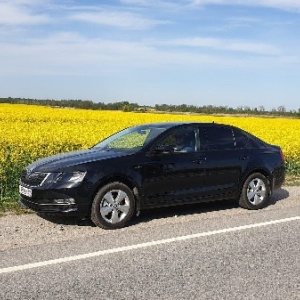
{"x": 255, "y": 192}
{"x": 113, "y": 206}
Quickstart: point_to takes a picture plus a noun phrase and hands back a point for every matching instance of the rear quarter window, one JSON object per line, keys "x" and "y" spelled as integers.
{"x": 240, "y": 139}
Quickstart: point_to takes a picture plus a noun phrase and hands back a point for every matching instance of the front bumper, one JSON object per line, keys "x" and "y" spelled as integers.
{"x": 49, "y": 208}
{"x": 56, "y": 201}
{"x": 81, "y": 211}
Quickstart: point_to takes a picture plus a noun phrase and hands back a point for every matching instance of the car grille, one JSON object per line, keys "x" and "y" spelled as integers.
{"x": 32, "y": 179}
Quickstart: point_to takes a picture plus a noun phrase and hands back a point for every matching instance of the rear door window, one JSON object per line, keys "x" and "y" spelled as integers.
{"x": 218, "y": 138}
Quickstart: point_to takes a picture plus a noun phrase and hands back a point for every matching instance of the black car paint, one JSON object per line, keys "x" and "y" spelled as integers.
{"x": 157, "y": 178}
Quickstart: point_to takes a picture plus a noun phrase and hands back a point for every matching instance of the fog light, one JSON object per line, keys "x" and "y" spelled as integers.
{"x": 68, "y": 201}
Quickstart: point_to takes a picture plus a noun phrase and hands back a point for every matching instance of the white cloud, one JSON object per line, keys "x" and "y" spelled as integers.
{"x": 223, "y": 44}
{"x": 158, "y": 4}
{"x": 124, "y": 20}
{"x": 138, "y": 2}
{"x": 279, "y": 4}
{"x": 19, "y": 13}
{"x": 71, "y": 54}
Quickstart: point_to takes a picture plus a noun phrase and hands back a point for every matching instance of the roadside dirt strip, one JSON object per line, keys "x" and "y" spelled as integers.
{"x": 18, "y": 231}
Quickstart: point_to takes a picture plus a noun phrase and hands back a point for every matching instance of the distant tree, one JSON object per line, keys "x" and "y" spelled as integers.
{"x": 281, "y": 109}
{"x": 127, "y": 106}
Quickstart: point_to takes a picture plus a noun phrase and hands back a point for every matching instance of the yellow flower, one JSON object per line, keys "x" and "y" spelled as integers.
{"x": 29, "y": 132}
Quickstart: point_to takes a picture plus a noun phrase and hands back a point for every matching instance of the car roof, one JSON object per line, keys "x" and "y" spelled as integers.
{"x": 174, "y": 124}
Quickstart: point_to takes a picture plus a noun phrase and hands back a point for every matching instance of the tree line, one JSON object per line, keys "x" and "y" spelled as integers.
{"x": 168, "y": 108}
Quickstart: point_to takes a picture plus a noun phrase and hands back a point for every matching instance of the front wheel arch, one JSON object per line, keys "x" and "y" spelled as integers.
{"x": 133, "y": 185}
{"x": 113, "y": 206}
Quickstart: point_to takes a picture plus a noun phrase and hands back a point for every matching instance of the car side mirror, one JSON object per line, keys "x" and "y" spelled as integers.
{"x": 164, "y": 149}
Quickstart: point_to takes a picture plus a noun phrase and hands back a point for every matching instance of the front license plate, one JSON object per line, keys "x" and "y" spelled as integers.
{"x": 25, "y": 191}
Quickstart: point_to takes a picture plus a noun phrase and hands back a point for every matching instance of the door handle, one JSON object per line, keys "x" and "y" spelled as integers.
{"x": 199, "y": 161}
{"x": 244, "y": 157}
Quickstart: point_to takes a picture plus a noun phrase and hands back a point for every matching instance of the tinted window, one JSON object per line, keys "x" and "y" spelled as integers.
{"x": 240, "y": 140}
{"x": 218, "y": 138}
{"x": 131, "y": 138}
{"x": 182, "y": 140}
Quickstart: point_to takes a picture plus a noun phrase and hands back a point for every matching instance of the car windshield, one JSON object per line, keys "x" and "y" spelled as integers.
{"x": 133, "y": 138}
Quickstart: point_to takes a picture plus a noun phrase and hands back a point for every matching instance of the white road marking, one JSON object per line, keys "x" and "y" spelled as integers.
{"x": 142, "y": 245}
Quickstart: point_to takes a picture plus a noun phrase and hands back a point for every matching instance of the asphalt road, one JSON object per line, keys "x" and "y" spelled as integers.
{"x": 207, "y": 251}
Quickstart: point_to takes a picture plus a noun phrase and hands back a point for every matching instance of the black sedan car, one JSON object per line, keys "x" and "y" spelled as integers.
{"x": 154, "y": 165}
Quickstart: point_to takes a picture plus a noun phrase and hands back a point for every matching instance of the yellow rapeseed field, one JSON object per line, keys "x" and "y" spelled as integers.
{"x": 29, "y": 132}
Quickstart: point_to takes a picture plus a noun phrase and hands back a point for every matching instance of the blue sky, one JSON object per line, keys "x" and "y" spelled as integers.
{"x": 198, "y": 52}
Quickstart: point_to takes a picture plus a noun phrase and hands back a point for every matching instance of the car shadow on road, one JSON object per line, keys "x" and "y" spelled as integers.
{"x": 204, "y": 207}
{"x": 168, "y": 212}
{"x": 278, "y": 195}
{"x": 67, "y": 220}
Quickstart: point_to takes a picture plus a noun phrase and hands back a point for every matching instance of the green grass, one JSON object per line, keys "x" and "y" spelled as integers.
{"x": 292, "y": 180}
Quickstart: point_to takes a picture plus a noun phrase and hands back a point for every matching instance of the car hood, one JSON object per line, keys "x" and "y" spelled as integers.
{"x": 70, "y": 159}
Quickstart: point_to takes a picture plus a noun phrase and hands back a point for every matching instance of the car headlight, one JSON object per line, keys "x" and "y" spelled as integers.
{"x": 71, "y": 178}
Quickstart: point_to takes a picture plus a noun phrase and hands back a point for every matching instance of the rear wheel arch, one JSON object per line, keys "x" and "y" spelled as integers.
{"x": 264, "y": 172}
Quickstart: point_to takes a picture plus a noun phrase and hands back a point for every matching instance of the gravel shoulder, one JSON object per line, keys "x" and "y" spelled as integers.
{"x": 17, "y": 231}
